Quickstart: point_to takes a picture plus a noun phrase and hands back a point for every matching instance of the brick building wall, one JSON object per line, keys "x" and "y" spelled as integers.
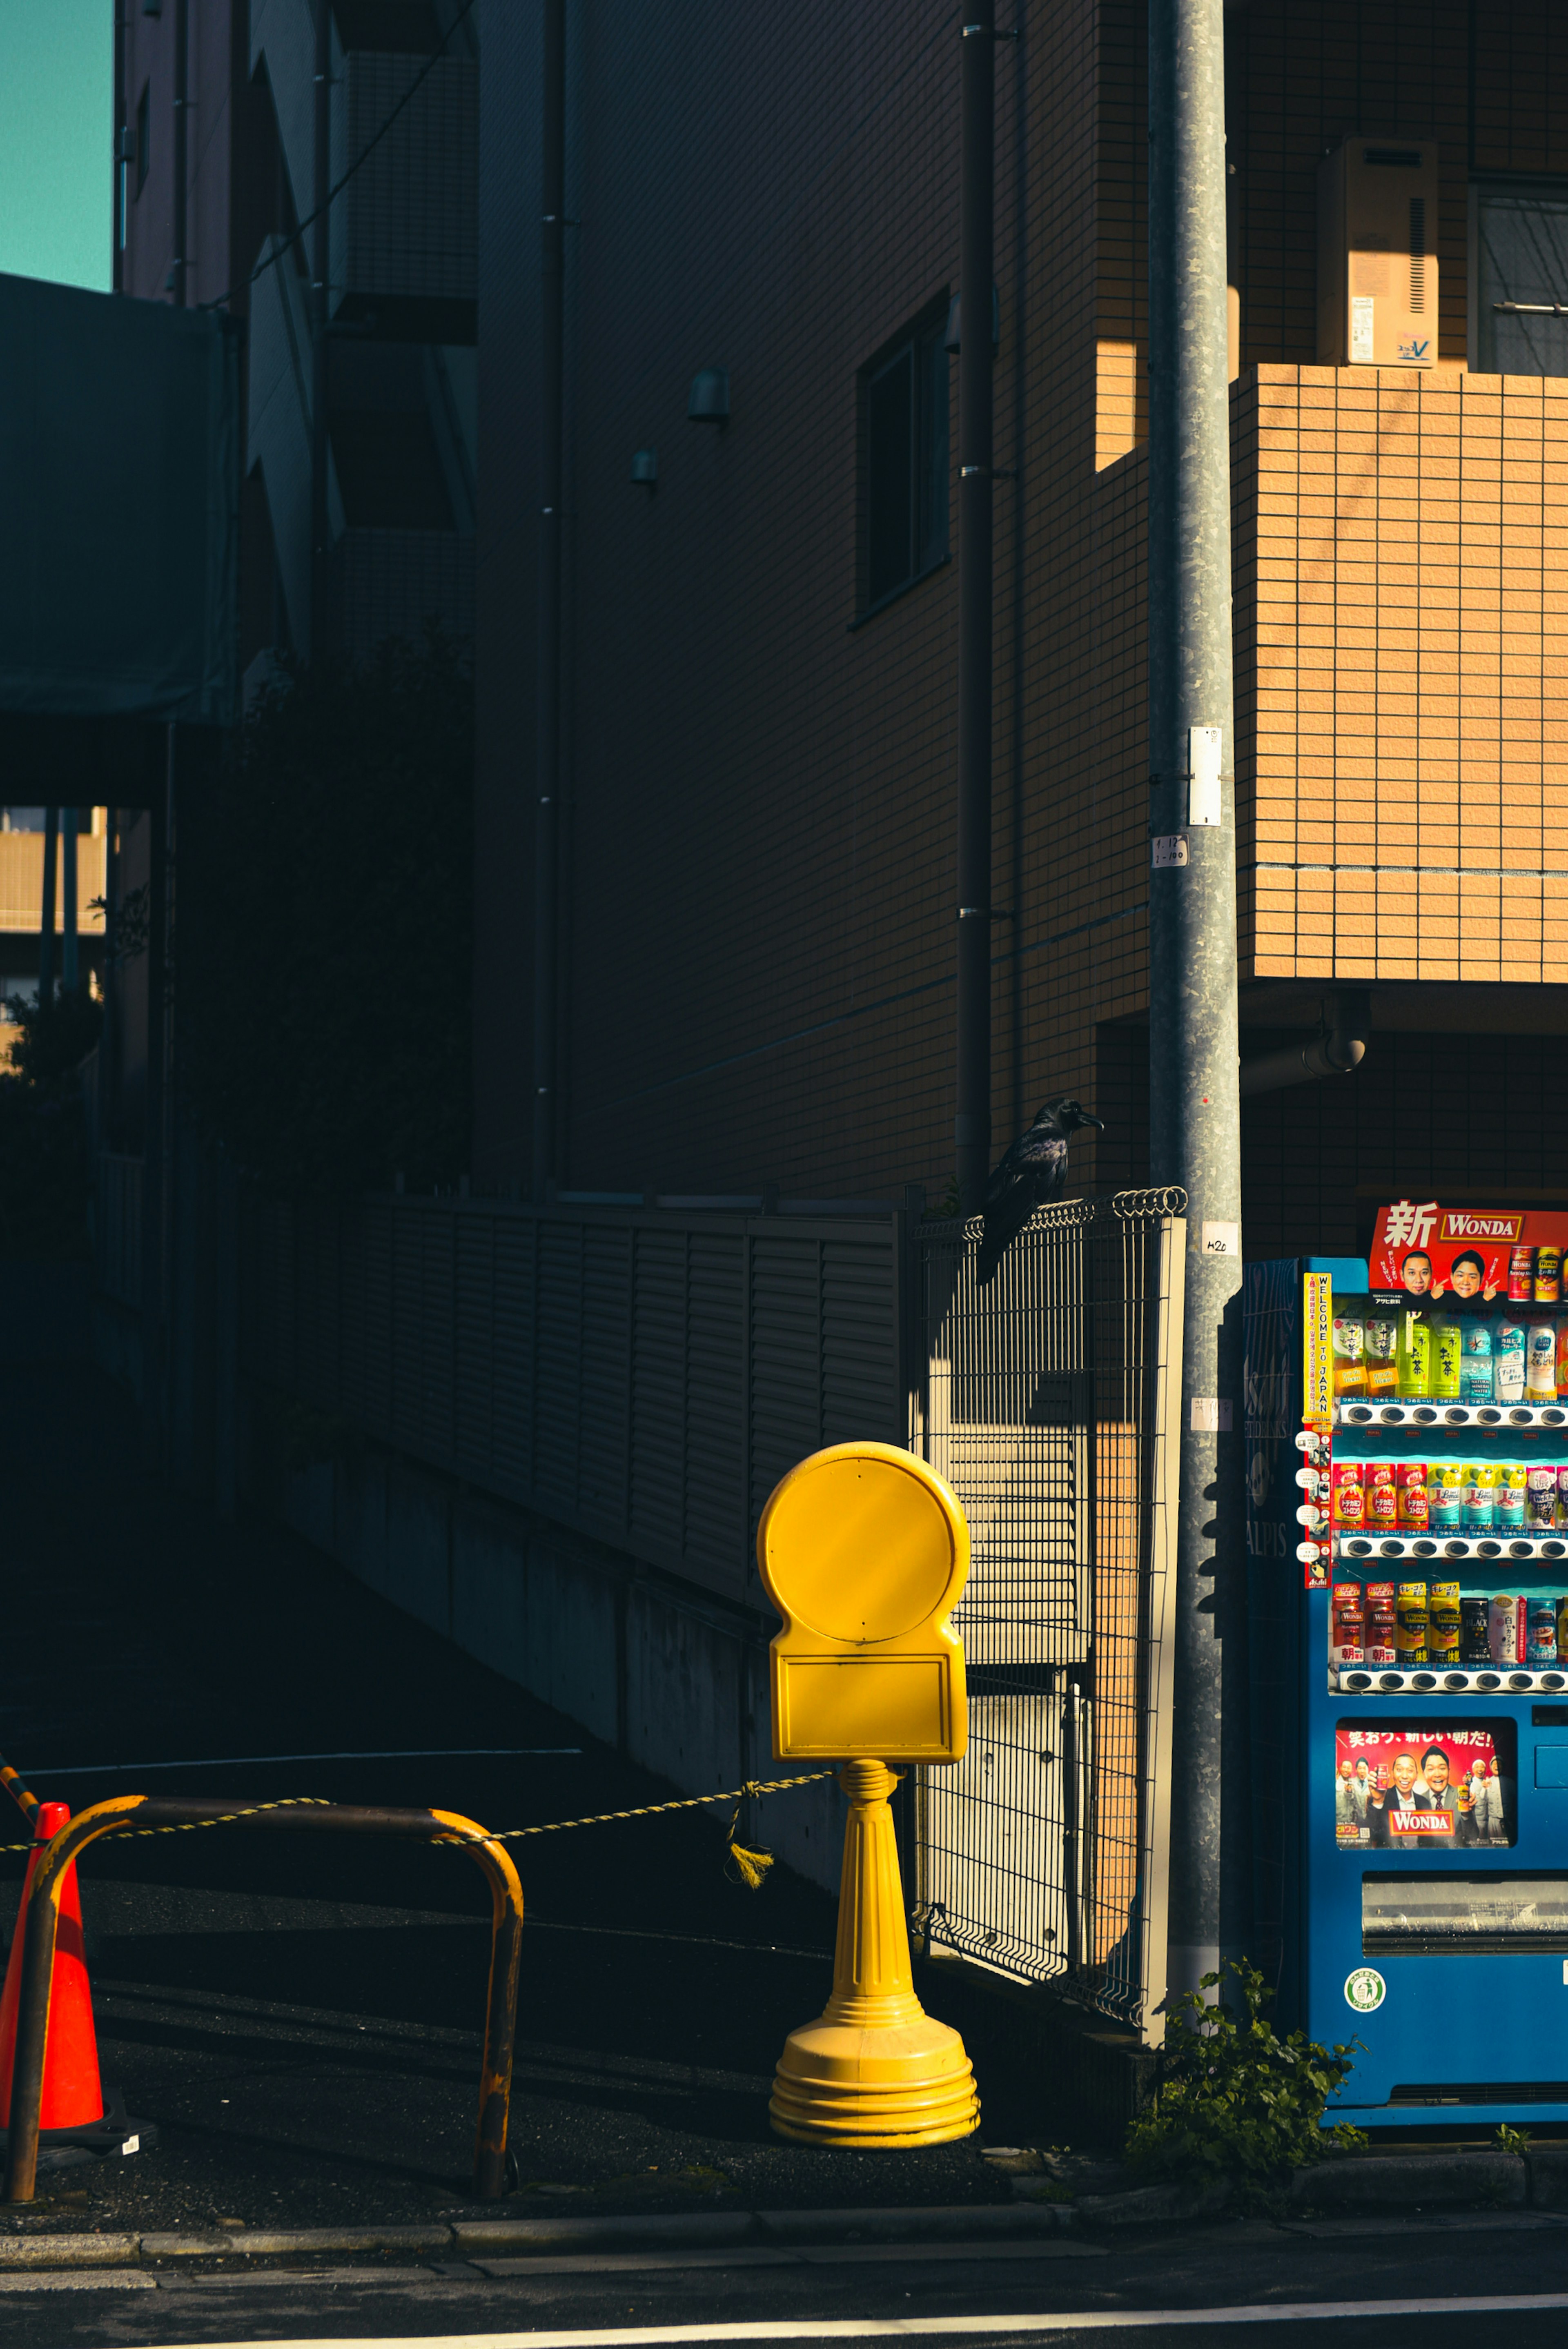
{"x": 759, "y": 881}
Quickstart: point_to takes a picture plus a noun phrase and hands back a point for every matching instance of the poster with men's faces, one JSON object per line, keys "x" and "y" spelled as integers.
{"x": 1409, "y": 1789}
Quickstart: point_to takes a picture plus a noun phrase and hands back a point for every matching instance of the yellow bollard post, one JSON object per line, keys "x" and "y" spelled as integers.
{"x": 877, "y": 2070}
{"x": 864, "y": 1551}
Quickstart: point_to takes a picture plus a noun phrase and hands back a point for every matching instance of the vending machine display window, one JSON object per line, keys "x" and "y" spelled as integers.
{"x": 1411, "y": 1789}
{"x": 1463, "y": 1916}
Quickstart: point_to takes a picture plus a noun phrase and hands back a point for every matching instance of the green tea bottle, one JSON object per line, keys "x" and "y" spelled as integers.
{"x": 1415, "y": 1358}
{"x": 1448, "y": 1349}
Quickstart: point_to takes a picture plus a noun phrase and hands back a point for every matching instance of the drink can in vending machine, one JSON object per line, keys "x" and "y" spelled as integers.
{"x": 1379, "y": 1613}
{"x": 1561, "y": 1605}
{"x": 1480, "y": 1495}
{"x": 1539, "y": 1500}
{"x": 1507, "y": 1361}
{"x": 1412, "y": 1512}
{"x": 1349, "y": 1626}
{"x": 1410, "y": 1625}
{"x": 1414, "y": 1364}
{"x": 1507, "y": 1514}
{"x": 1382, "y": 1354}
{"x": 1349, "y": 1352}
{"x": 1443, "y": 1623}
{"x": 1541, "y": 1634}
{"x": 1475, "y": 1646}
{"x": 1547, "y": 1275}
{"x": 1502, "y": 1630}
{"x": 1475, "y": 1368}
{"x": 1520, "y": 1276}
{"x": 1445, "y": 1497}
{"x": 1540, "y": 1362}
{"x": 1448, "y": 1358}
{"x": 1348, "y": 1503}
{"x": 1382, "y": 1496}
{"x": 1561, "y": 1495}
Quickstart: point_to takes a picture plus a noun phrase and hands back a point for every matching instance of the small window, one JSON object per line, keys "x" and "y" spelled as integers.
{"x": 1521, "y": 274}
{"x": 905, "y": 472}
{"x": 143, "y": 135}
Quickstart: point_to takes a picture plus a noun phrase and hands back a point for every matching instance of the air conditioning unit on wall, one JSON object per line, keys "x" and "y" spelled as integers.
{"x": 1378, "y": 254}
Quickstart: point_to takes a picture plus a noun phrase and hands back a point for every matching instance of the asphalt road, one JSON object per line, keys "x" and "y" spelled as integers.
{"x": 1236, "y": 2284}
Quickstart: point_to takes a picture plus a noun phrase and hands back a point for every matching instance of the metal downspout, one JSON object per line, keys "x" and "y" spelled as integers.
{"x": 320, "y": 268}
{"x": 182, "y": 146}
{"x": 971, "y": 1125}
{"x": 548, "y": 654}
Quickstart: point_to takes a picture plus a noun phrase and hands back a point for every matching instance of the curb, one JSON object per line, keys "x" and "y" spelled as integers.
{"x": 956, "y": 2222}
{"x": 1475, "y": 2179}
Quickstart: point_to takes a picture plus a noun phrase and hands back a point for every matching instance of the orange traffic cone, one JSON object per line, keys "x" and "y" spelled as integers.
{"x": 74, "y": 2110}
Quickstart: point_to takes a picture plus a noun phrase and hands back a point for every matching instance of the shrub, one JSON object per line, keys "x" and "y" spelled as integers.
{"x": 1235, "y": 2100}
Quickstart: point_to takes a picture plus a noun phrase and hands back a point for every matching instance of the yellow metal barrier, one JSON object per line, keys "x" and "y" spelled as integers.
{"x": 170, "y": 1815}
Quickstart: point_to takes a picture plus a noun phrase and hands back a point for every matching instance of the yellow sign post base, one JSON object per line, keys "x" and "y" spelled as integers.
{"x": 877, "y": 2069}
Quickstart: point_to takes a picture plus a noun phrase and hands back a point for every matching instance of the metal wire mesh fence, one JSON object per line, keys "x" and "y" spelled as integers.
{"x": 1047, "y": 1401}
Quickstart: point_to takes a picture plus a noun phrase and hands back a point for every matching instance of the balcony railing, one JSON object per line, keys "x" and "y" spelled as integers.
{"x": 22, "y": 881}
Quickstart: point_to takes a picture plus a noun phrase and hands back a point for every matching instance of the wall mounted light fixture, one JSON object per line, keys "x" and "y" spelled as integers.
{"x": 645, "y": 467}
{"x": 709, "y": 402}
{"x": 955, "y": 322}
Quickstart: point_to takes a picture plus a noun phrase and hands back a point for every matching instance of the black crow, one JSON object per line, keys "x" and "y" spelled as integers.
{"x": 1031, "y": 1175}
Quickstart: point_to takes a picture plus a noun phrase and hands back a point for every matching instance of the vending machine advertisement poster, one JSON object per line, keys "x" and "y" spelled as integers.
{"x": 1461, "y": 1256}
{"x": 1406, "y": 1786}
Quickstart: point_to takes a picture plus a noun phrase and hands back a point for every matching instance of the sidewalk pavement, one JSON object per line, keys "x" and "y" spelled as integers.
{"x": 300, "y": 2017}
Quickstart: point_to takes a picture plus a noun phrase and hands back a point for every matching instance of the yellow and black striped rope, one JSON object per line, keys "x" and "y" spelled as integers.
{"x": 189, "y": 1826}
{"x": 736, "y": 1794}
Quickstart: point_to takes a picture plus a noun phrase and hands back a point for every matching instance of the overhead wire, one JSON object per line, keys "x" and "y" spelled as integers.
{"x": 363, "y": 157}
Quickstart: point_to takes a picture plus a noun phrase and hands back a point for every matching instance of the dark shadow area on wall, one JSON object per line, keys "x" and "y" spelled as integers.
{"x": 1465, "y": 1119}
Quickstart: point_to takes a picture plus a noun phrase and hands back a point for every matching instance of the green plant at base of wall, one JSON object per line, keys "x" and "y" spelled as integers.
{"x": 1234, "y": 2100}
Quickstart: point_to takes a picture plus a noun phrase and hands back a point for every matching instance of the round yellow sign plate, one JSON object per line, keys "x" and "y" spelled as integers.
{"x": 860, "y": 1547}
{"x": 865, "y": 1552}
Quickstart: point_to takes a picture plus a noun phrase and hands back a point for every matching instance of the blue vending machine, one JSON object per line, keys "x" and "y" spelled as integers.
{"x": 1407, "y": 1427}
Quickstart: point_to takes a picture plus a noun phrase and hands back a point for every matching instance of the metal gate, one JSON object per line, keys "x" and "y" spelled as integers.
{"x": 1048, "y": 1402}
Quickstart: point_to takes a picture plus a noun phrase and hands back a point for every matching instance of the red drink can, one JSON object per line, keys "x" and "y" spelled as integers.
{"x": 1411, "y": 1508}
{"x": 1349, "y": 1625}
{"x": 1520, "y": 1276}
{"x": 1378, "y": 1624}
{"x": 1349, "y": 1498}
{"x": 1382, "y": 1496}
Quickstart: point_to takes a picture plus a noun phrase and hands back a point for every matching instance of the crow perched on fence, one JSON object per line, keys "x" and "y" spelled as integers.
{"x": 1031, "y": 1175}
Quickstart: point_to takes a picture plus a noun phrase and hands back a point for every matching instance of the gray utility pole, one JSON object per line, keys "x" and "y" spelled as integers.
{"x": 977, "y": 104}
{"x": 1194, "y": 1096}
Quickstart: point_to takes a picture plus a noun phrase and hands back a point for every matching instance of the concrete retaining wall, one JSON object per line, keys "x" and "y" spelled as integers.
{"x": 675, "y": 1679}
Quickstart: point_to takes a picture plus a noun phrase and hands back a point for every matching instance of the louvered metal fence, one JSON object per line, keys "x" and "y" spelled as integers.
{"x": 1048, "y": 1400}
{"x": 646, "y": 1377}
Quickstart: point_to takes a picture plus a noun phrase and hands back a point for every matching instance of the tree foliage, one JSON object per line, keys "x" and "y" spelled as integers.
{"x": 322, "y": 932}
{"x": 44, "y": 1175}
{"x": 1235, "y": 2100}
